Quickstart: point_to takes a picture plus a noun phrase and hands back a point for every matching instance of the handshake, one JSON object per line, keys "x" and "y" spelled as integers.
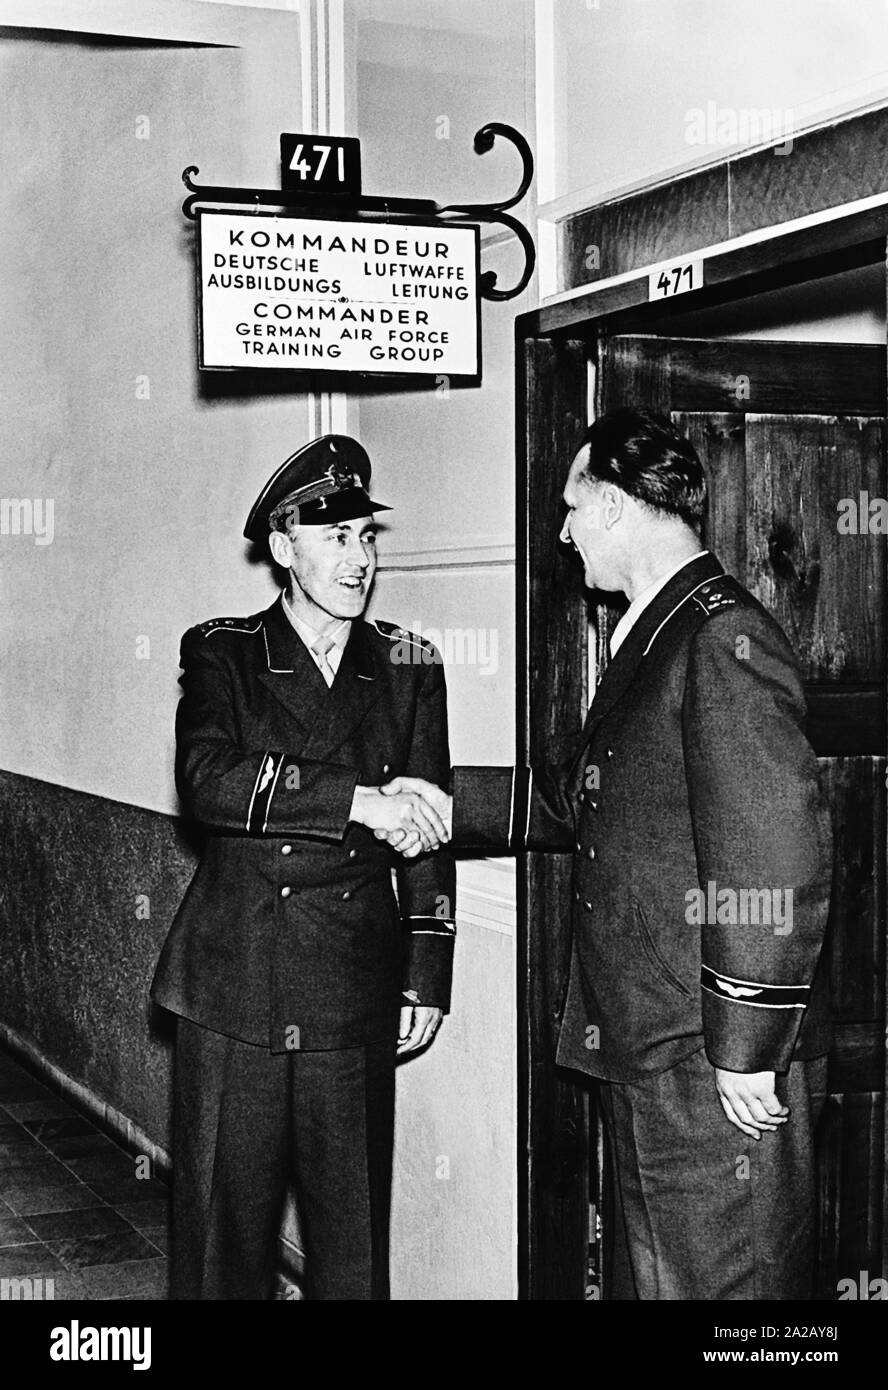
{"x": 411, "y": 814}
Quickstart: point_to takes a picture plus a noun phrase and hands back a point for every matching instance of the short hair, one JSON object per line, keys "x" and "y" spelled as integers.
{"x": 646, "y": 456}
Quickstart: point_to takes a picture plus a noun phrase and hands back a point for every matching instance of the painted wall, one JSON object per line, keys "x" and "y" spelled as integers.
{"x": 630, "y": 74}
{"x": 150, "y": 471}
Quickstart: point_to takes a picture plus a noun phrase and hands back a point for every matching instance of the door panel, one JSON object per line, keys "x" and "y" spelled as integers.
{"x": 825, "y": 592}
{"x": 783, "y": 541}
{"x": 851, "y": 1168}
{"x": 744, "y": 374}
{"x": 775, "y": 481}
{"x": 720, "y": 440}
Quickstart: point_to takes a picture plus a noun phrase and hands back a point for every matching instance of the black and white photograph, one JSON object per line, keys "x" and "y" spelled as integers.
{"x": 443, "y": 515}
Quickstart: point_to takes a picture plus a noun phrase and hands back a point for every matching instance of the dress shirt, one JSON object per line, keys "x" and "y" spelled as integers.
{"x": 328, "y": 664}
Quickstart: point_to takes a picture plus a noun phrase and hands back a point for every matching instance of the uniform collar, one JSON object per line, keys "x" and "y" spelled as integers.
{"x": 645, "y": 632}
{"x": 664, "y": 603}
{"x": 324, "y": 718}
{"x": 339, "y": 636}
{"x": 644, "y": 599}
{"x": 287, "y": 652}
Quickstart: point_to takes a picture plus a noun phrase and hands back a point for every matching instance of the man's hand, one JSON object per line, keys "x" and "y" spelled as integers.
{"x": 419, "y": 1025}
{"x": 406, "y": 841}
{"x": 401, "y": 812}
{"x": 749, "y": 1100}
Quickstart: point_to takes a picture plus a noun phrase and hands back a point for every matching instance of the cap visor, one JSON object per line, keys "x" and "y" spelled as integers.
{"x": 338, "y": 506}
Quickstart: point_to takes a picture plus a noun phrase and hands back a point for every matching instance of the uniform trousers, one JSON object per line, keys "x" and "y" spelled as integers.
{"x": 248, "y": 1123}
{"x": 701, "y": 1210}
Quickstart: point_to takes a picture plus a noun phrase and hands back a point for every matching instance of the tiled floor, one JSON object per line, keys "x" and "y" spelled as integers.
{"x": 71, "y": 1206}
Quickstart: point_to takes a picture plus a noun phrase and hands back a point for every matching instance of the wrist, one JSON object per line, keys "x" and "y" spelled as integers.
{"x": 361, "y": 802}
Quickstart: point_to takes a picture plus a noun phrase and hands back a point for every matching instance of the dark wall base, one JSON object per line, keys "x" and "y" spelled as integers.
{"x": 88, "y": 889}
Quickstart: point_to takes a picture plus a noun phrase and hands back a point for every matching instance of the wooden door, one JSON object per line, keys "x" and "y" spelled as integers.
{"x": 791, "y": 435}
{"x": 554, "y": 1150}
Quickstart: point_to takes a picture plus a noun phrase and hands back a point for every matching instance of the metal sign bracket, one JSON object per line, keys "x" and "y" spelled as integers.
{"x": 295, "y": 202}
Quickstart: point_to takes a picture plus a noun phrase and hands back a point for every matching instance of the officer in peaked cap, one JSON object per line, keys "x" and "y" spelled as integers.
{"x": 295, "y": 970}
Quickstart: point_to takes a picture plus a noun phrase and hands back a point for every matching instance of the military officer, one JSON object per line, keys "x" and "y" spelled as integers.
{"x": 295, "y": 971}
{"x": 702, "y": 873}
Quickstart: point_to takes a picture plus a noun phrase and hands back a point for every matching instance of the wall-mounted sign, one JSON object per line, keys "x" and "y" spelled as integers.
{"x": 346, "y": 295}
{"x": 328, "y": 164}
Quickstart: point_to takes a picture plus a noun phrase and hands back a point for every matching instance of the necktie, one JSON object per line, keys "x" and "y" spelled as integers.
{"x": 321, "y": 647}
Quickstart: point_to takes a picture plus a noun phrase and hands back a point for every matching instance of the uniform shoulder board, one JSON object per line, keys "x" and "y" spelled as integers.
{"x": 716, "y": 594}
{"x": 401, "y": 634}
{"x": 227, "y": 625}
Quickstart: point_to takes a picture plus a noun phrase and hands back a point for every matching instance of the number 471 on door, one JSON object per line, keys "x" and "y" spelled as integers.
{"x": 675, "y": 279}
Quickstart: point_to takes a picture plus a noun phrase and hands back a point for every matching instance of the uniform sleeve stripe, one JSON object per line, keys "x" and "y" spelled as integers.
{"x": 754, "y": 993}
{"x": 263, "y": 787}
{"x": 753, "y": 1003}
{"x": 262, "y": 766}
{"x": 519, "y": 808}
{"x": 271, "y": 794}
{"x": 528, "y": 792}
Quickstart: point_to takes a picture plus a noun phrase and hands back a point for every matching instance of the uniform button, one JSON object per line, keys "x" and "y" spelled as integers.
{"x": 577, "y": 896}
{"x": 579, "y": 848}
{"x": 610, "y": 752}
{"x": 346, "y": 895}
{"x": 590, "y": 852}
{"x": 588, "y": 906}
{"x": 386, "y": 768}
{"x": 286, "y": 891}
{"x": 593, "y": 805}
{"x": 353, "y": 854}
{"x": 286, "y": 849}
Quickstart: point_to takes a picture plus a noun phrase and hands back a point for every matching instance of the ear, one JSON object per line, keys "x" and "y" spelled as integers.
{"x": 613, "y": 503}
{"x": 281, "y": 548}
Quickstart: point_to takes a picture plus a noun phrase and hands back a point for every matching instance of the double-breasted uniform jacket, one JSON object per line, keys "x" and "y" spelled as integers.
{"x": 290, "y": 934}
{"x": 692, "y": 804}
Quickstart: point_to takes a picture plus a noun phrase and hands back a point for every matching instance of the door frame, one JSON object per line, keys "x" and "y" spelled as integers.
{"x": 553, "y": 347}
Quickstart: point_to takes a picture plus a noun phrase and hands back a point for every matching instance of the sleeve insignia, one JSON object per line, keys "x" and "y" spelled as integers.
{"x": 757, "y": 994}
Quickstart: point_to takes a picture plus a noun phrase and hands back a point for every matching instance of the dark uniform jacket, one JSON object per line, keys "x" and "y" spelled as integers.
{"x": 693, "y": 776}
{"x": 290, "y": 934}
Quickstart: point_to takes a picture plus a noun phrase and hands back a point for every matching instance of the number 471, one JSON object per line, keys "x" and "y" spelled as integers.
{"x": 674, "y": 286}
{"x": 301, "y": 166}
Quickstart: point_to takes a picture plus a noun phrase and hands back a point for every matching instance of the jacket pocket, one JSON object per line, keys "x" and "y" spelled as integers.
{"x": 653, "y": 954}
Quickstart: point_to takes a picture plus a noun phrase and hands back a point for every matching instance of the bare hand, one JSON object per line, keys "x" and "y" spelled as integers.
{"x": 419, "y": 1025}
{"x": 404, "y": 811}
{"x": 407, "y": 842}
{"x": 750, "y": 1101}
